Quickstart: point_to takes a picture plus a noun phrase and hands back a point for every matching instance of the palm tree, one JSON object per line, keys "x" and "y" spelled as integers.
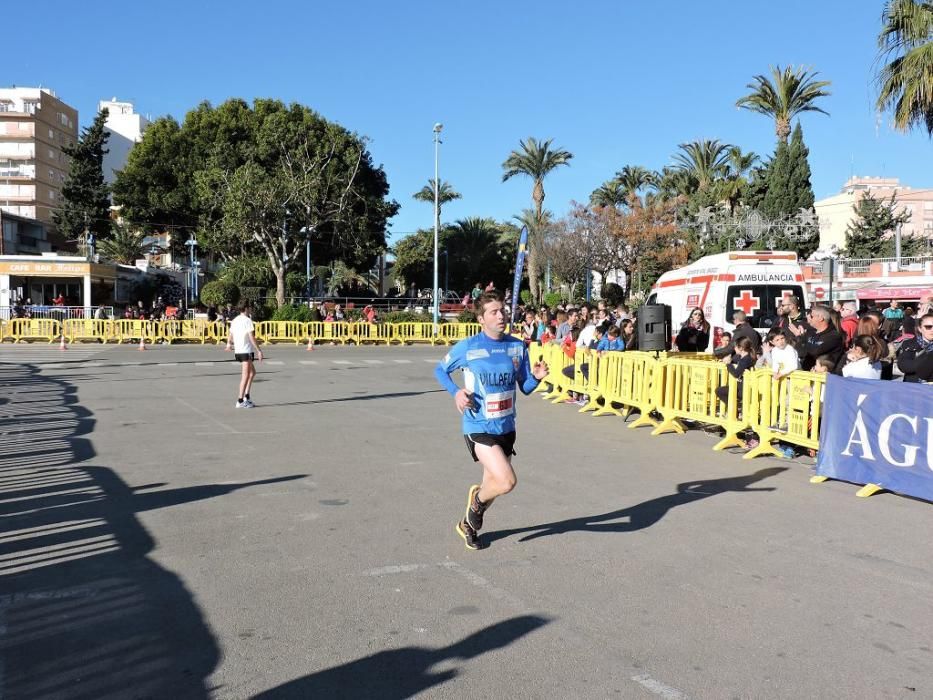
{"x": 124, "y": 247}
{"x": 793, "y": 91}
{"x": 445, "y": 194}
{"x": 609, "y": 194}
{"x": 705, "y": 161}
{"x": 732, "y": 186}
{"x": 674, "y": 182}
{"x": 905, "y": 84}
{"x": 536, "y": 159}
{"x": 634, "y": 179}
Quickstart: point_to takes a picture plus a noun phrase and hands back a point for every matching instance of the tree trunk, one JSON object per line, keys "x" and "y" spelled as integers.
{"x": 279, "y": 286}
{"x": 537, "y": 194}
{"x": 782, "y": 129}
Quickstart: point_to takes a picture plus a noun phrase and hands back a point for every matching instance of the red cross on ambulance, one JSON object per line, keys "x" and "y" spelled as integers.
{"x": 747, "y": 302}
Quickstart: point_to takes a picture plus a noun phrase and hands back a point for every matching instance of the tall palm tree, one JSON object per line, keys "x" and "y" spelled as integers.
{"x": 609, "y": 194}
{"x": 635, "y": 178}
{"x": 705, "y": 161}
{"x": 905, "y": 84}
{"x": 536, "y": 159}
{"x": 445, "y": 194}
{"x": 674, "y": 182}
{"x": 793, "y": 91}
{"x": 124, "y": 246}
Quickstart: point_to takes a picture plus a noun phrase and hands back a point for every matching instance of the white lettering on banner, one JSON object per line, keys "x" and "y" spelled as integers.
{"x": 884, "y": 440}
{"x": 862, "y": 433}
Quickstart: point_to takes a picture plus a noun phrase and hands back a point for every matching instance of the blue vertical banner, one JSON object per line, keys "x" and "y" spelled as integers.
{"x": 877, "y": 432}
{"x": 519, "y": 267}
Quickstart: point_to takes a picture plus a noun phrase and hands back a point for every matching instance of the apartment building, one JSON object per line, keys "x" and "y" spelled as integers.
{"x": 34, "y": 128}
{"x": 836, "y": 212}
{"x": 125, "y": 129}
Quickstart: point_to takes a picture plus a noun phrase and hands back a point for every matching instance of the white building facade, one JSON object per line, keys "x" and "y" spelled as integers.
{"x": 125, "y": 128}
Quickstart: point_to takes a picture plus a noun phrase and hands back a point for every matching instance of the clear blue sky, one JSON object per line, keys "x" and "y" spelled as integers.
{"x": 615, "y": 83}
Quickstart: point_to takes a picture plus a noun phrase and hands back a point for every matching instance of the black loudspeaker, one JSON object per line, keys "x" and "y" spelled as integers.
{"x": 654, "y": 327}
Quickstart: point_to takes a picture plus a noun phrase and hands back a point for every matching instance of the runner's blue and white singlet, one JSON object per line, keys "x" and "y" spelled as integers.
{"x": 491, "y": 371}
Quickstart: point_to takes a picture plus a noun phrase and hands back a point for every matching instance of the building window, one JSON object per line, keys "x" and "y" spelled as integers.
{"x": 30, "y": 106}
{"x": 52, "y": 154}
{"x": 6, "y": 106}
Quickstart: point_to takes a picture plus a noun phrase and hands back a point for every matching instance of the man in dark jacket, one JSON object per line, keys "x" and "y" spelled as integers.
{"x": 915, "y": 358}
{"x": 794, "y": 323}
{"x": 743, "y": 329}
{"x": 823, "y": 339}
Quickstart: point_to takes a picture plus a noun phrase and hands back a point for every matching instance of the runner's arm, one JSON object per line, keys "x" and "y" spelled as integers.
{"x": 252, "y": 339}
{"x": 452, "y": 361}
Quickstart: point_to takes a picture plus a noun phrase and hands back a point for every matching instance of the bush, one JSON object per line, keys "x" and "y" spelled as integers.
{"x": 219, "y": 293}
{"x": 466, "y": 316}
{"x": 406, "y": 317}
{"x": 613, "y": 294}
{"x": 292, "y": 313}
{"x": 525, "y": 296}
{"x": 552, "y": 299}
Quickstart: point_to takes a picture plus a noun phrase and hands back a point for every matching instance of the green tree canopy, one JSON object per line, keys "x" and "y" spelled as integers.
{"x": 869, "y": 234}
{"x": 125, "y": 246}
{"x": 788, "y": 191}
{"x": 85, "y": 194}
{"x": 445, "y": 194}
{"x": 260, "y": 179}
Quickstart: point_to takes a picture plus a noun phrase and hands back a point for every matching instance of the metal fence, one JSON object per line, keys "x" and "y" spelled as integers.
{"x": 58, "y": 313}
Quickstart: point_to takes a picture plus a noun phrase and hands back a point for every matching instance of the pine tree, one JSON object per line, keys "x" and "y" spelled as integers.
{"x": 85, "y": 194}
{"x": 789, "y": 190}
{"x": 868, "y": 235}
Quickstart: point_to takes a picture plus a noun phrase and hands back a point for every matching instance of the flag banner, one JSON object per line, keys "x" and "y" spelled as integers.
{"x": 878, "y": 432}
{"x": 519, "y": 266}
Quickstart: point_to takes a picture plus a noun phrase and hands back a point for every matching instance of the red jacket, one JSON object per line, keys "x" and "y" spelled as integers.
{"x": 849, "y": 326}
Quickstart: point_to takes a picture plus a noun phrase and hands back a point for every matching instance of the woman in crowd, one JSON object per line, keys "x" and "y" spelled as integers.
{"x": 694, "y": 334}
{"x": 529, "y": 328}
{"x": 628, "y": 337}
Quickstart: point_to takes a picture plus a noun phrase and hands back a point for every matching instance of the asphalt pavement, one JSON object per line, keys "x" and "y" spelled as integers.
{"x": 157, "y": 542}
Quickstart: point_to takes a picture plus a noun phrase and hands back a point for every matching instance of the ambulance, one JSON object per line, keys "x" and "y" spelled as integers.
{"x": 755, "y": 282}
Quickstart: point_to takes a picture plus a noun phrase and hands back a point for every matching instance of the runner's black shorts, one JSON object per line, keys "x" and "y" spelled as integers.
{"x": 244, "y": 356}
{"x": 506, "y": 441}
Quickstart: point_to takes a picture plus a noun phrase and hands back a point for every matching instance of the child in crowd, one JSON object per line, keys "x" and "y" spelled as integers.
{"x": 742, "y": 360}
{"x": 611, "y": 341}
{"x": 725, "y": 339}
{"x": 784, "y": 358}
{"x": 548, "y": 334}
{"x": 864, "y": 358}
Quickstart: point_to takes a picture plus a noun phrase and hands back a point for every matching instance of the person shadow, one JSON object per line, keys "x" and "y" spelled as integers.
{"x": 405, "y": 672}
{"x": 645, "y": 514}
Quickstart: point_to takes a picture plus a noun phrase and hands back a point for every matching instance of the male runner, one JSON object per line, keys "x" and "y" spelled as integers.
{"x": 245, "y": 350}
{"x": 493, "y": 363}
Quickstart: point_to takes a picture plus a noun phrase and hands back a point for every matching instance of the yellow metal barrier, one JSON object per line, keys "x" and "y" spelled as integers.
{"x": 451, "y": 333}
{"x": 131, "y": 329}
{"x": 373, "y": 333}
{"x": 195, "y": 331}
{"x": 35, "y": 329}
{"x": 278, "y": 331}
{"x": 324, "y": 332}
{"x": 559, "y": 382}
{"x": 6, "y": 330}
{"x": 690, "y": 394}
{"x": 788, "y": 410}
{"x": 405, "y": 333}
{"x": 100, "y": 330}
{"x": 608, "y": 375}
{"x": 639, "y": 386}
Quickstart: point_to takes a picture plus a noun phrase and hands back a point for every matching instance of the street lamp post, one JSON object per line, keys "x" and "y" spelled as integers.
{"x": 437, "y": 140}
{"x": 193, "y": 286}
{"x": 446, "y": 271}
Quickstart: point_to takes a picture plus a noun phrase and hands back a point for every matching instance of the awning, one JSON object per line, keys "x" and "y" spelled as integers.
{"x": 882, "y": 292}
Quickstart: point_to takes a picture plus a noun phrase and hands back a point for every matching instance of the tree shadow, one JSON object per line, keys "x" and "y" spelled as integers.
{"x": 84, "y": 611}
{"x": 405, "y": 672}
{"x": 645, "y": 514}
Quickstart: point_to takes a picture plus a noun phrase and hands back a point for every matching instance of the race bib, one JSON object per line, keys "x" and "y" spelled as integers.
{"x": 499, "y": 405}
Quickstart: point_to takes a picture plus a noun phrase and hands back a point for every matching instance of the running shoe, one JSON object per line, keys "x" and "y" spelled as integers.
{"x": 470, "y": 538}
{"x": 240, "y": 404}
{"x": 474, "y": 509}
{"x": 248, "y": 403}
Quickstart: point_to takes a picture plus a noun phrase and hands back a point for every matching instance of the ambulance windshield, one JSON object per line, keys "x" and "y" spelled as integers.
{"x": 760, "y": 302}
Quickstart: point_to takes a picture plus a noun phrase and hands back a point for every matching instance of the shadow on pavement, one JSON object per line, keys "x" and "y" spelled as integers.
{"x": 362, "y": 397}
{"x": 84, "y": 612}
{"x": 405, "y": 672}
{"x": 643, "y": 514}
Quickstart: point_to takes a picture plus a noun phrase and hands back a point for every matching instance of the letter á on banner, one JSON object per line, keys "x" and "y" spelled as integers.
{"x": 859, "y": 427}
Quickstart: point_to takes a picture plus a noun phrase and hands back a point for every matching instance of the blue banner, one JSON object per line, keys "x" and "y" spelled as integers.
{"x": 878, "y": 432}
{"x": 519, "y": 266}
